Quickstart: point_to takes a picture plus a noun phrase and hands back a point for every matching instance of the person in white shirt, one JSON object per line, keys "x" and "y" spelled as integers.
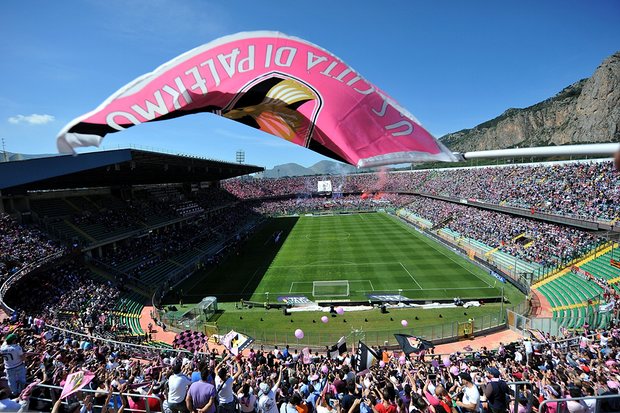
{"x": 529, "y": 349}
{"x": 177, "y": 389}
{"x": 604, "y": 340}
{"x": 590, "y": 403}
{"x": 471, "y": 395}
{"x": 224, "y": 388}
{"x": 288, "y": 407}
{"x": 14, "y": 366}
{"x": 518, "y": 357}
{"x": 575, "y": 406}
{"x": 267, "y": 396}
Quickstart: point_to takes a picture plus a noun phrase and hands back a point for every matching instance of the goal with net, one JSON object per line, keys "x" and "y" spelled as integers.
{"x": 330, "y": 288}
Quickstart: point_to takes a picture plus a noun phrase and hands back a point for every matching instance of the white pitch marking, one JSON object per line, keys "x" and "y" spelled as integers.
{"x": 414, "y": 280}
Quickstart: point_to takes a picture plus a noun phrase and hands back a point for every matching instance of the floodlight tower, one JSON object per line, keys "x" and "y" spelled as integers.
{"x": 240, "y": 156}
{"x": 5, "y": 156}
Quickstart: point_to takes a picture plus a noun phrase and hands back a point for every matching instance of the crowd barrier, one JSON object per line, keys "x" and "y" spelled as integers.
{"x": 50, "y": 399}
{"x": 79, "y": 398}
{"x": 545, "y": 403}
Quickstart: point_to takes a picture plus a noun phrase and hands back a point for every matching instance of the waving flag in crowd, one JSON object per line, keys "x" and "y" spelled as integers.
{"x": 75, "y": 382}
{"x": 412, "y": 344}
{"x": 338, "y": 348}
{"x": 365, "y": 358}
{"x": 236, "y": 342}
{"x": 282, "y": 85}
{"x": 190, "y": 340}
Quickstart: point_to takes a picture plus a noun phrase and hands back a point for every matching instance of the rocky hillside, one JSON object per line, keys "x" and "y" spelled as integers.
{"x": 586, "y": 111}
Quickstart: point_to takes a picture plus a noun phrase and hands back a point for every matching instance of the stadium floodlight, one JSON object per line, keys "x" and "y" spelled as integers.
{"x": 338, "y": 288}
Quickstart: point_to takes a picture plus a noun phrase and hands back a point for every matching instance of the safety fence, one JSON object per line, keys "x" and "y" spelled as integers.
{"x": 438, "y": 333}
{"x": 471, "y": 253}
{"x": 45, "y": 396}
{"x": 559, "y": 405}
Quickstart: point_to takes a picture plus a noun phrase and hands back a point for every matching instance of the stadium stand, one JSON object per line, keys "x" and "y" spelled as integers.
{"x": 565, "y": 188}
{"x": 548, "y": 245}
{"x": 171, "y": 227}
{"x": 569, "y": 297}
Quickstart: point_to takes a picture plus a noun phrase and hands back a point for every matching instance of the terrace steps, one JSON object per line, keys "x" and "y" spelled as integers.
{"x": 576, "y": 305}
{"x": 592, "y": 256}
{"x": 72, "y": 205}
{"x": 568, "y": 297}
{"x": 79, "y": 230}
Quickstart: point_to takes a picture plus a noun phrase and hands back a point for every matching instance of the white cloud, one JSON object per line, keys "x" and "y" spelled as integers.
{"x": 34, "y": 119}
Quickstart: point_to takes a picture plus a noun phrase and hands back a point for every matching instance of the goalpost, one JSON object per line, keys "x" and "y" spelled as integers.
{"x": 330, "y": 288}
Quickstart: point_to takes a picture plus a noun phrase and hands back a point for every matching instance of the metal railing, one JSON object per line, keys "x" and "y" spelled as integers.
{"x": 138, "y": 348}
{"x": 585, "y": 222}
{"x": 546, "y": 402}
{"x": 114, "y": 400}
{"x": 437, "y": 333}
{"x": 479, "y": 257}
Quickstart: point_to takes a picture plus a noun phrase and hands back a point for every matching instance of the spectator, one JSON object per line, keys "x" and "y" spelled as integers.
{"x": 178, "y": 384}
{"x": 202, "y": 395}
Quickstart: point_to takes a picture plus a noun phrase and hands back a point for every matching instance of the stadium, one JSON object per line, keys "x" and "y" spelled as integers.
{"x": 133, "y": 246}
{"x": 403, "y": 272}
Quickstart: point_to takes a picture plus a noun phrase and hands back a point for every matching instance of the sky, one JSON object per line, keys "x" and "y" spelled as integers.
{"x": 453, "y": 64}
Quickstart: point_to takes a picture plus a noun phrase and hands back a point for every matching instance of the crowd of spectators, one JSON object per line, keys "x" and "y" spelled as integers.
{"x": 66, "y": 295}
{"x": 299, "y": 205}
{"x": 590, "y": 189}
{"x": 159, "y": 245}
{"x": 288, "y": 380}
{"x": 542, "y": 243}
{"x": 249, "y": 188}
{"x": 103, "y": 216}
{"x": 582, "y": 189}
{"x": 21, "y": 245}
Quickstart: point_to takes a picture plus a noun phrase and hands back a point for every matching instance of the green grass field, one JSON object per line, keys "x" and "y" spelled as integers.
{"x": 372, "y": 253}
{"x": 376, "y": 253}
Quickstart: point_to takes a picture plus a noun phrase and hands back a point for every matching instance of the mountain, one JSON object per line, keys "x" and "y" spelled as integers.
{"x": 586, "y": 111}
{"x": 10, "y": 156}
{"x": 287, "y": 169}
{"x": 325, "y": 167}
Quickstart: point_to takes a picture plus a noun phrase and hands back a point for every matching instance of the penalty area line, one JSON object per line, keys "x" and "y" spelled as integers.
{"x": 407, "y": 271}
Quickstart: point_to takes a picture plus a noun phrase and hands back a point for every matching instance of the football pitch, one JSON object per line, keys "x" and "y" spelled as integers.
{"x": 341, "y": 257}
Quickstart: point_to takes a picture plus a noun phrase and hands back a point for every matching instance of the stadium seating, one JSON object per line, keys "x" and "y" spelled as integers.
{"x": 128, "y": 309}
{"x": 497, "y": 235}
{"x": 159, "y": 273}
{"x": 50, "y": 208}
{"x": 580, "y": 189}
{"x": 568, "y": 296}
{"x": 600, "y": 267}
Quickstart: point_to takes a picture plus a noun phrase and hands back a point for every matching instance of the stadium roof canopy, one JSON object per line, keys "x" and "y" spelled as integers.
{"x": 121, "y": 167}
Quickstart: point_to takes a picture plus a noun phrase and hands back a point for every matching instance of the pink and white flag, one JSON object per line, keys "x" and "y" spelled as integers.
{"x": 75, "y": 382}
{"x": 282, "y": 85}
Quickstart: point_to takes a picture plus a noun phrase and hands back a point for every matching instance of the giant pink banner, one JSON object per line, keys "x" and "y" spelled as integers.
{"x": 279, "y": 84}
